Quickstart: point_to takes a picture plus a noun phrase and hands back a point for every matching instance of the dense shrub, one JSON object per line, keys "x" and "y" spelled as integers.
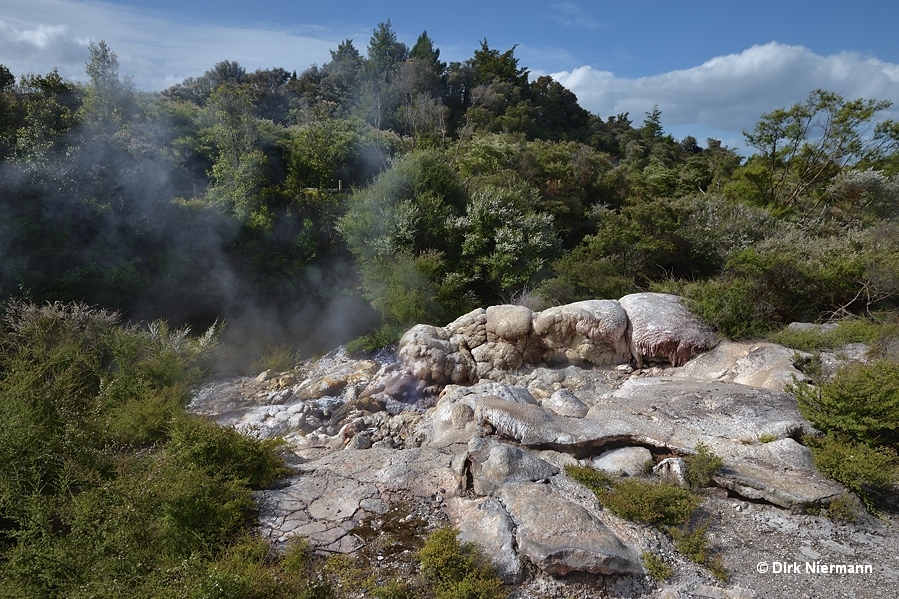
{"x": 106, "y": 486}
{"x": 455, "y": 570}
{"x": 868, "y": 472}
{"x": 701, "y": 466}
{"x": 861, "y": 401}
{"x": 854, "y": 330}
{"x": 638, "y": 500}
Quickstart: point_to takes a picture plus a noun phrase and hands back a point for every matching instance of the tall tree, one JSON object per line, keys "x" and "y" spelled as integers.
{"x": 384, "y": 52}
{"x": 109, "y": 99}
{"x": 424, "y": 51}
{"x": 490, "y": 65}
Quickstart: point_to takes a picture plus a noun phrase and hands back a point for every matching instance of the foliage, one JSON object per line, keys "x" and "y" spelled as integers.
{"x": 455, "y": 570}
{"x": 870, "y": 473}
{"x": 845, "y": 508}
{"x": 637, "y": 500}
{"x": 656, "y": 566}
{"x": 860, "y": 401}
{"x": 105, "y": 483}
{"x": 852, "y": 330}
{"x": 804, "y": 146}
{"x": 701, "y": 466}
{"x": 651, "y": 503}
{"x": 693, "y": 542}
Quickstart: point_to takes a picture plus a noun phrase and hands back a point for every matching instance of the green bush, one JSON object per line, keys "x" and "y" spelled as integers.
{"x": 860, "y": 401}
{"x": 455, "y": 570}
{"x": 868, "y": 472}
{"x": 225, "y": 452}
{"x": 736, "y": 307}
{"x": 107, "y": 487}
{"x": 638, "y": 500}
{"x": 845, "y": 508}
{"x": 701, "y": 466}
{"x": 655, "y": 566}
{"x": 694, "y": 543}
{"x": 651, "y": 503}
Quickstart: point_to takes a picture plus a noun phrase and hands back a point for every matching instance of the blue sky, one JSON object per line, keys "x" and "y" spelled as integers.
{"x": 712, "y": 67}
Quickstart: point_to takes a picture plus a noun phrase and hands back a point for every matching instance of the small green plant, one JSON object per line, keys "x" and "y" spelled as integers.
{"x": 388, "y": 334}
{"x": 597, "y": 481}
{"x": 655, "y": 566}
{"x": 693, "y": 543}
{"x": 701, "y": 466}
{"x": 394, "y": 589}
{"x": 455, "y": 570}
{"x": 845, "y": 508}
{"x": 651, "y": 503}
{"x": 767, "y": 438}
{"x": 276, "y": 357}
{"x": 638, "y": 500}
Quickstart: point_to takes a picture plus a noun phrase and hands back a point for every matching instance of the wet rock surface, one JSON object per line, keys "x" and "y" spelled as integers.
{"x": 379, "y": 450}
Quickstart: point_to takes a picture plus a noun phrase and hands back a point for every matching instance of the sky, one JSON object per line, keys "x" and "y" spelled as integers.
{"x": 712, "y": 67}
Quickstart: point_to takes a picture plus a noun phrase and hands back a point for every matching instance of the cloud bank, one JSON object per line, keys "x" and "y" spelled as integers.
{"x": 156, "y": 49}
{"x": 729, "y": 93}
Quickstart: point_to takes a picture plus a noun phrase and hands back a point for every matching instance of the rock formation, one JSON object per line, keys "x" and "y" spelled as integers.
{"x": 475, "y": 421}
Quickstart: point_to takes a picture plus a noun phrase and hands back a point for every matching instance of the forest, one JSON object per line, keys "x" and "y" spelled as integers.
{"x": 344, "y": 204}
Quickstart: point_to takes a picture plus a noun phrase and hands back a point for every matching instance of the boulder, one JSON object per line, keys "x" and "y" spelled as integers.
{"x": 663, "y": 329}
{"x": 492, "y": 465}
{"x": 676, "y": 415}
{"x": 590, "y": 331}
{"x": 630, "y": 461}
{"x": 757, "y": 364}
{"x": 565, "y": 403}
{"x": 427, "y": 352}
{"x": 559, "y": 536}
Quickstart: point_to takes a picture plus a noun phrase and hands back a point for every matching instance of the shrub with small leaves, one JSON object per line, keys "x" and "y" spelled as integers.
{"x": 455, "y": 570}
{"x": 655, "y": 566}
{"x": 701, "y": 466}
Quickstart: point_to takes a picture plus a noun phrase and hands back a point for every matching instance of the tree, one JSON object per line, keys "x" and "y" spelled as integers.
{"x": 424, "y": 51}
{"x": 341, "y": 75}
{"x": 109, "y": 99}
{"x": 805, "y": 146}
{"x": 652, "y": 124}
{"x": 384, "y": 52}
{"x": 490, "y": 65}
{"x": 239, "y": 171}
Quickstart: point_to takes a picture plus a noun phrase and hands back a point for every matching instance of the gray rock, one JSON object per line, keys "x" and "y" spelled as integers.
{"x": 492, "y": 465}
{"x": 672, "y": 470}
{"x": 631, "y": 461}
{"x": 677, "y": 415}
{"x": 332, "y": 490}
{"x": 560, "y": 537}
{"x": 485, "y": 522}
{"x": 757, "y": 364}
{"x": 565, "y": 403}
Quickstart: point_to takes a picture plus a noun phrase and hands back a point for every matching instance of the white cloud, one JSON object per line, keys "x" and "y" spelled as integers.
{"x": 730, "y": 93}
{"x": 156, "y": 49}
{"x": 571, "y": 15}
